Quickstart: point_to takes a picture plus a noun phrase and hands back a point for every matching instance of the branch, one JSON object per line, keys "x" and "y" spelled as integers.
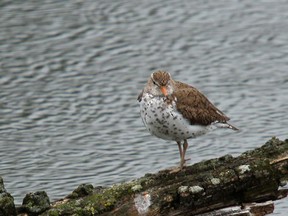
{"x": 246, "y": 184}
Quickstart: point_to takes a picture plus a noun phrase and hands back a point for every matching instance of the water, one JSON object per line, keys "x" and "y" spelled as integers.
{"x": 70, "y": 73}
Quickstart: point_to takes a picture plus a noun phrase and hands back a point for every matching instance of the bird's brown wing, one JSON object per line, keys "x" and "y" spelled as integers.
{"x": 194, "y": 106}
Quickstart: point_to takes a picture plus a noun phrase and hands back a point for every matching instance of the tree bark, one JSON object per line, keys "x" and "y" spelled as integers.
{"x": 247, "y": 181}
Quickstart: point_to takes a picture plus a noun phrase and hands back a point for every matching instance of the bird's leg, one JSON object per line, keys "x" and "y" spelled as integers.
{"x": 180, "y": 149}
{"x": 185, "y": 146}
{"x": 182, "y": 154}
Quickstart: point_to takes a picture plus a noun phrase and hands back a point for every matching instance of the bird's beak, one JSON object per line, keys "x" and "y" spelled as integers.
{"x": 164, "y": 90}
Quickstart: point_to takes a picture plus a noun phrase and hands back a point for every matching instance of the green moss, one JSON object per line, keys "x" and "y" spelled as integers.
{"x": 52, "y": 212}
{"x": 36, "y": 203}
{"x": 211, "y": 164}
{"x": 7, "y": 206}
{"x": 81, "y": 191}
{"x": 97, "y": 203}
{"x": 272, "y": 147}
{"x": 105, "y": 201}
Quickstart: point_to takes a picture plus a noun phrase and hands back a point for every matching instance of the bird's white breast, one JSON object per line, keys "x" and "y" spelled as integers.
{"x": 163, "y": 120}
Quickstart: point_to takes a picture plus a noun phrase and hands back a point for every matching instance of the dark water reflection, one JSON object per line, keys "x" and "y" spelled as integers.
{"x": 71, "y": 71}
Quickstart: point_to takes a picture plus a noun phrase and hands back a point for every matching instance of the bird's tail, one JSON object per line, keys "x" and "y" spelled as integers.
{"x": 225, "y": 125}
{"x": 232, "y": 127}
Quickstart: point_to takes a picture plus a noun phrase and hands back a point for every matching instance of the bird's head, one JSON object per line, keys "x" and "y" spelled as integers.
{"x": 160, "y": 84}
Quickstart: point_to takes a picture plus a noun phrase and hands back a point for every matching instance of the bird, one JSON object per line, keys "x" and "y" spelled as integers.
{"x": 173, "y": 110}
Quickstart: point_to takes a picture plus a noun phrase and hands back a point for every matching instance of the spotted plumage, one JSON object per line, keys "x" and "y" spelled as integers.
{"x": 173, "y": 110}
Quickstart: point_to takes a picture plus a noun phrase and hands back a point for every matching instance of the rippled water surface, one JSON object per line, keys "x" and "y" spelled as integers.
{"x": 71, "y": 72}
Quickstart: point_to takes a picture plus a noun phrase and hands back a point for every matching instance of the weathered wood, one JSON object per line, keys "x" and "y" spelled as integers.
{"x": 253, "y": 177}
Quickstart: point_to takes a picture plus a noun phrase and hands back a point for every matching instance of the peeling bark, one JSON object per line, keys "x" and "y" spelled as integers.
{"x": 247, "y": 181}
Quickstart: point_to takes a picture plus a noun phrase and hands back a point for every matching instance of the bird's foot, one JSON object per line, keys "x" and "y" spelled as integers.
{"x": 175, "y": 170}
{"x": 183, "y": 163}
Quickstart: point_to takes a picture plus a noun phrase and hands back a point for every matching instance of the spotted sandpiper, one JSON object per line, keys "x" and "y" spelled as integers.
{"x": 173, "y": 110}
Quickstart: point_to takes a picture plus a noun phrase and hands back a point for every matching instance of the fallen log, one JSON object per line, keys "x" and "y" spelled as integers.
{"x": 247, "y": 184}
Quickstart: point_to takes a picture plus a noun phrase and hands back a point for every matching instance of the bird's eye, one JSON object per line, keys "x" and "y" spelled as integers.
{"x": 154, "y": 82}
